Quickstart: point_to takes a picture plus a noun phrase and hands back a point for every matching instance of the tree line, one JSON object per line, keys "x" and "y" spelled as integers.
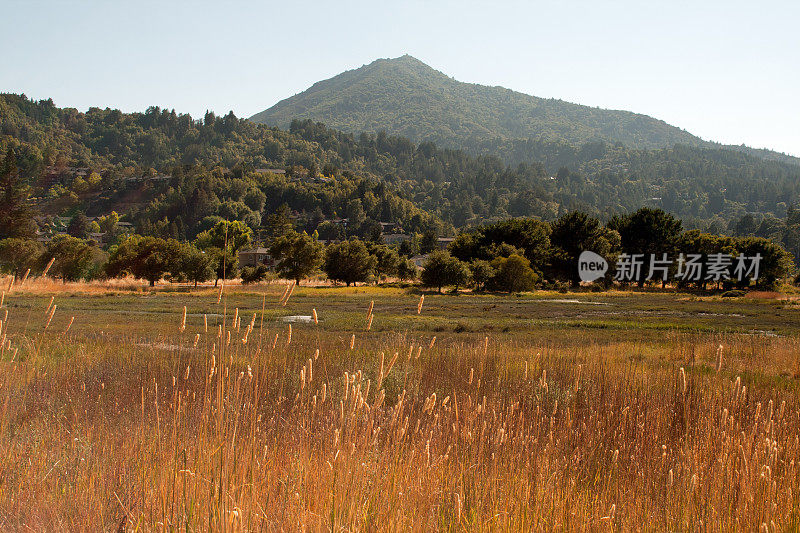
{"x": 513, "y": 255}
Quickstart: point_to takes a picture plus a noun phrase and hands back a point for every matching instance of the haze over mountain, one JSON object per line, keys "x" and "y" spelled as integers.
{"x": 406, "y": 97}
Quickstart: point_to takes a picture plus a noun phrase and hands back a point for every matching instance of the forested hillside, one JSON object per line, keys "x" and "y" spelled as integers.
{"x": 703, "y": 186}
{"x": 151, "y": 164}
{"x": 103, "y": 174}
{"x": 406, "y": 97}
{"x": 174, "y": 176}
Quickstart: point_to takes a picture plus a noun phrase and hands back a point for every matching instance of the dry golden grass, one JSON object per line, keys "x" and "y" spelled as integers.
{"x": 47, "y": 285}
{"x": 223, "y": 426}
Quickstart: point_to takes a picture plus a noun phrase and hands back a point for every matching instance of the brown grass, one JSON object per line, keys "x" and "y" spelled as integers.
{"x": 232, "y": 431}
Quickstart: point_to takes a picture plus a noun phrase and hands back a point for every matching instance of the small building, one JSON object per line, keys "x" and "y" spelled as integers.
{"x": 255, "y": 257}
{"x": 387, "y": 227}
{"x": 396, "y": 238}
{"x": 98, "y": 237}
{"x": 444, "y": 242}
{"x": 419, "y": 260}
{"x": 270, "y": 171}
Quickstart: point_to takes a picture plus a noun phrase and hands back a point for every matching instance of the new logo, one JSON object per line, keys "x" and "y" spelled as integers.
{"x": 591, "y": 266}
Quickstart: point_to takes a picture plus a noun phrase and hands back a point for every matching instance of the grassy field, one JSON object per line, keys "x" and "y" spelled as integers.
{"x": 192, "y": 409}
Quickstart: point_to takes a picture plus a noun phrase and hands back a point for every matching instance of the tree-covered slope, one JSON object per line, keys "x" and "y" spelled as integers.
{"x": 167, "y": 171}
{"x": 406, "y": 97}
{"x": 393, "y": 178}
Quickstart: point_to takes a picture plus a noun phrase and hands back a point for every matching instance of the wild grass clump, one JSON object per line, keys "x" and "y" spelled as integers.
{"x": 235, "y": 424}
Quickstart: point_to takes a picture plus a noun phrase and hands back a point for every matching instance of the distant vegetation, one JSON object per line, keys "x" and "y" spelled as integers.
{"x": 105, "y": 174}
{"x": 157, "y": 164}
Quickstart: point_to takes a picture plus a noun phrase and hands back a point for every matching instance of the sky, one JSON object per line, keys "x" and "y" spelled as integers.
{"x": 725, "y": 71}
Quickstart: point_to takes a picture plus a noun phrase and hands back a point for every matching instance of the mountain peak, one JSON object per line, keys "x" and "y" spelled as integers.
{"x": 407, "y": 59}
{"x": 404, "y": 63}
{"x": 404, "y": 96}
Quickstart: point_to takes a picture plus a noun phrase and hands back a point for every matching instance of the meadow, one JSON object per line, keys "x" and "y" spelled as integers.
{"x": 261, "y": 408}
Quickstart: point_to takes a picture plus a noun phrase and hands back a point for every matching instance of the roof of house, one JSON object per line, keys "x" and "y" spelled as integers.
{"x": 259, "y": 250}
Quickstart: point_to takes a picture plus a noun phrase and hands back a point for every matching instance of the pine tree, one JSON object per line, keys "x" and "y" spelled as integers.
{"x": 16, "y": 214}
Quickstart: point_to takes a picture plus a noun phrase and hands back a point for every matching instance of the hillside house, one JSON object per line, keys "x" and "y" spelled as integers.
{"x": 255, "y": 257}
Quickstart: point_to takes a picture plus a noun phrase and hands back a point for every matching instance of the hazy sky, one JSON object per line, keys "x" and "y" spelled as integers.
{"x": 726, "y": 71}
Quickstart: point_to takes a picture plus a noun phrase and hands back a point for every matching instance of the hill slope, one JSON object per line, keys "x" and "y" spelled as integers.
{"x": 393, "y": 179}
{"x": 406, "y": 97}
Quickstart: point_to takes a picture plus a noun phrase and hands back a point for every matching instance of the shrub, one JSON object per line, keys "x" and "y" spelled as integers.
{"x": 253, "y": 274}
{"x": 513, "y": 274}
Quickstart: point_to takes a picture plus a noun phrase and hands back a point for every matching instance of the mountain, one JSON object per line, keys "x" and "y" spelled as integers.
{"x": 406, "y": 97}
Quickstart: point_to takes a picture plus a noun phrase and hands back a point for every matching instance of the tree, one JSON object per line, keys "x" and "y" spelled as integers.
{"x": 520, "y": 235}
{"x": 745, "y": 226}
{"x": 147, "y": 258}
{"x": 195, "y": 265}
{"x": 355, "y": 215}
{"x": 371, "y": 230}
{"x": 255, "y": 199}
{"x": 791, "y": 240}
{"x": 776, "y": 263}
{"x": 429, "y": 241}
{"x": 441, "y": 269}
{"x": 72, "y": 256}
{"x": 482, "y": 273}
{"x": 16, "y": 214}
{"x": 79, "y": 226}
{"x": 330, "y": 231}
{"x": 407, "y": 270}
{"x": 386, "y": 260}
{"x": 349, "y": 262}
{"x": 108, "y": 223}
{"x": 278, "y": 223}
{"x": 234, "y": 235}
{"x": 297, "y": 254}
{"x": 704, "y": 244}
{"x": 465, "y": 246}
{"x": 409, "y": 247}
{"x": 647, "y": 231}
{"x": 574, "y": 233}
{"x": 222, "y": 243}
{"x": 513, "y": 274}
{"x": 224, "y": 263}
{"x": 17, "y": 255}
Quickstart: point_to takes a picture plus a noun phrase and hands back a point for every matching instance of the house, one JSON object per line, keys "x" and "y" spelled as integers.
{"x": 444, "y": 242}
{"x": 255, "y": 257}
{"x": 270, "y": 171}
{"x": 98, "y": 237}
{"x": 56, "y": 174}
{"x": 419, "y": 260}
{"x": 386, "y": 227}
{"x": 339, "y": 221}
{"x": 396, "y": 238}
